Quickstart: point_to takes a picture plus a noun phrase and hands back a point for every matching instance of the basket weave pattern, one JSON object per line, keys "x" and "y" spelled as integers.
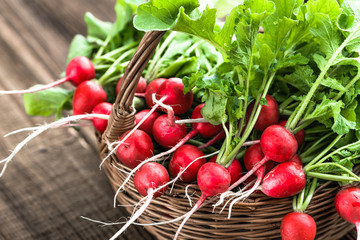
{"x": 258, "y": 217}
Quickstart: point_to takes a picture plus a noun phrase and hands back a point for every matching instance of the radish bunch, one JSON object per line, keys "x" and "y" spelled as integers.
{"x": 276, "y": 118}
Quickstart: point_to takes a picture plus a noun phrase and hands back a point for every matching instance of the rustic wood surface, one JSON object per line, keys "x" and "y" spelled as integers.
{"x": 55, "y": 179}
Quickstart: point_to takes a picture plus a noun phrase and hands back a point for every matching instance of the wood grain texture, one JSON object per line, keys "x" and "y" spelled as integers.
{"x": 55, "y": 179}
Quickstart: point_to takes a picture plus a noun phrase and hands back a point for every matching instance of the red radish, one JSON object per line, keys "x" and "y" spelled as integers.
{"x": 181, "y": 158}
{"x": 135, "y": 149}
{"x": 298, "y": 226}
{"x": 234, "y": 169}
{"x": 101, "y": 108}
{"x": 151, "y": 176}
{"x": 152, "y": 88}
{"x": 86, "y": 96}
{"x": 296, "y": 159}
{"x": 269, "y": 115}
{"x": 277, "y": 144}
{"x": 347, "y": 204}
{"x": 213, "y": 179}
{"x": 300, "y": 136}
{"x": 167, "y": 133}
{"x": 285, "y": 180}
{"x": 173, "y": 90}
{"x": 163, "y": 133}
{"x": 147, "y": 179}
{"x": 78, "y": 70}
{"x": 147, "y": 125}
{"x": 206, "y": 130}
{"x": 140, "y": 88}
{"x": 252, "y": 156}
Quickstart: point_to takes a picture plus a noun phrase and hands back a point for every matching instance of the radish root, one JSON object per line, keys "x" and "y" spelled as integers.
{"x": 42, "y": 129}
{"x": 118, "y": 143}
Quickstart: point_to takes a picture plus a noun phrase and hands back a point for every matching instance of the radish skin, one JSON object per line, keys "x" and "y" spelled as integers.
{"x": 212, "y": 179}
{"x": 298, "y": 226}
{"x": 151, "y": 89}
{"x": 146, "y": 180}
{"x": 285, "y": 180}
{"x": 140, "y": 88}
{"x": 86, "y": 96}
{"x": 347, "y": 204}
{"x": 135, "y": 149}
{"x": 234, "y": 169}
{"x": 181, "y": 158}
{"x": 148, "y": 124}
{"x": 268, "y": 116}
{"x": 101, "y": 108}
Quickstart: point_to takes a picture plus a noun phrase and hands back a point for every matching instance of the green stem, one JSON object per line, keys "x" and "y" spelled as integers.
{"x": 351, "y": 83}
{"x": 336, "y": 165}
{"x": 294, "y": 203}
{"x": 303, "y": 105}
{"x": 329, "y": 177}
{"x": 113, "y": 66}
{"x": 318, "y": 157}
{"x": 300, "y": 200}
{"x": 243, "y": 118}
{"x": 155, "y": 60}
{"x": 315, "y": 146}
{"x": 117, "y": 51}
{"x": 302, "y": 126}
{"x": 285, "y": 112}
{"x": 251, "y": 123}
{"x": 309, "y": 196}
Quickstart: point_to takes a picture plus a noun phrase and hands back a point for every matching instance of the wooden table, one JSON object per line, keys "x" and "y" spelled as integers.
{"x": 55, "y": 179}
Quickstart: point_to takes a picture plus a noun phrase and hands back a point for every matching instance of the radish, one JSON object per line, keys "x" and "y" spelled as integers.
{"x": 167, "y": 133}
{"x": 347, "y": 204}
{"x": 296, "y": 159}
{"x": 101, "y": 108}
{"x": 252, "y": 156}
{"x": 205, "y": 129}
{"x": 146, "y": 180}
{"x": 285, "y": 180}
{"x": 298, "y": 226}
{"x": 140, "y": 88}
{"x": 234, "y": 169}
{"x": 277, "y": 144}
{"x": 136, "y": 148}
{"x": 269, "y": 114}
{"x": 78, "y": 70}
{"x": 213, "y": 179}
{"x": 151, "y": 89}
{"x": 147, "y": 125}
{"x": 86, "y": 96}
{"x": 300, "y": 136}
{"x": 181, "y": 158}
{"x": 173, "y": 90}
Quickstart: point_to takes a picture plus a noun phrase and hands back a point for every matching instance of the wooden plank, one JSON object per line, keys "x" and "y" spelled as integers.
{"x": 55, "y": 179}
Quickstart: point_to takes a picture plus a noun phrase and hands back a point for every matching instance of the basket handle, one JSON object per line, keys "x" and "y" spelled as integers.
{"x": 122, "y": 116}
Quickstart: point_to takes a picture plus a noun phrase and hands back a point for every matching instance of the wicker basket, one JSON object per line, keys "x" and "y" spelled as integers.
{"x": 258, "y": 217}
